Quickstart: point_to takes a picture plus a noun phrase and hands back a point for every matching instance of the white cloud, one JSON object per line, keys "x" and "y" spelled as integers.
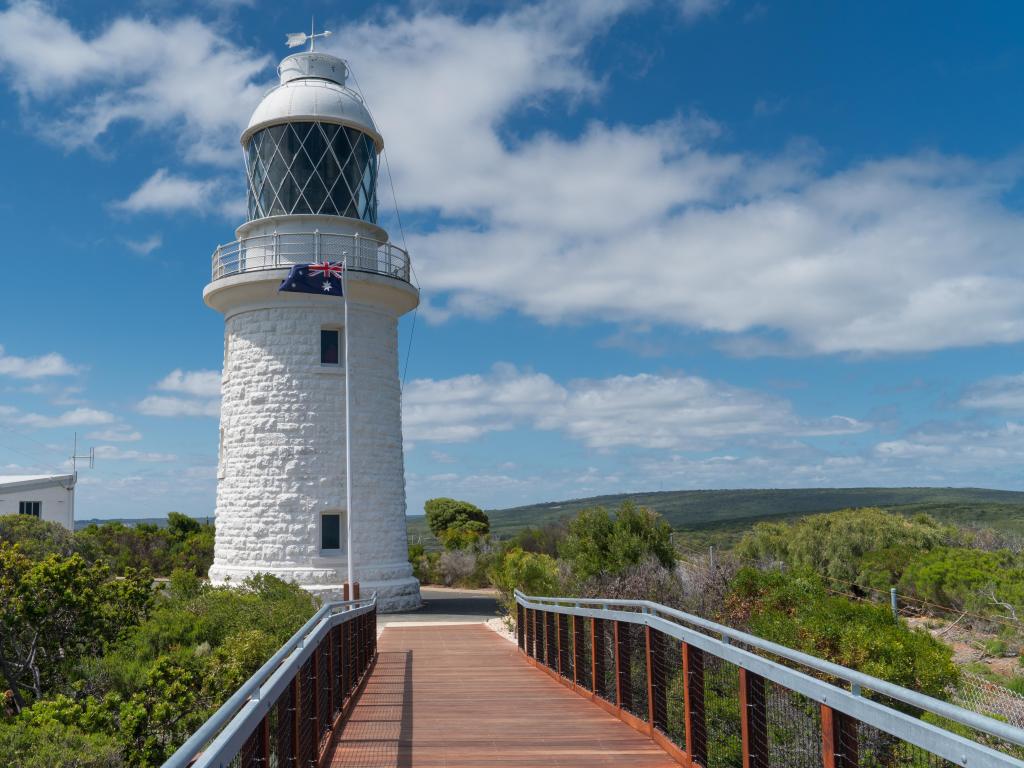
{"x": 692, "y": 10}
{"x": 652, "y": 224}
{"x": 76, "y": 417}
{"x": 159, "y": 405}
{"x": 201, "y": 390}
{"x": 116, "y": 434}
{"x": 176, "y": 73}
{"x": 644, "y": 411}
{"x": 198, "y": 383}
{"x": 145, "y": 247}
{"x": 165, "y": 193}
{"x": 114, "y": 453}
{"x": 1002, "y": 393}
{"x": 50, "y": 364}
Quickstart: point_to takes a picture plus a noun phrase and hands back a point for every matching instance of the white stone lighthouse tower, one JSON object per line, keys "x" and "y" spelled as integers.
{"x": 311, "y": 153}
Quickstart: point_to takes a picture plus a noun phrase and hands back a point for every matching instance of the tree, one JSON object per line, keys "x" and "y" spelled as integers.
{"x": 57, "y": 611}
{"x": 457, "y": 524}
{"x": 599, "y": 543}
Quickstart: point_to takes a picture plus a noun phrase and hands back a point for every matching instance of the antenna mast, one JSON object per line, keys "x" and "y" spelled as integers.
{"x": 91, "y": 456}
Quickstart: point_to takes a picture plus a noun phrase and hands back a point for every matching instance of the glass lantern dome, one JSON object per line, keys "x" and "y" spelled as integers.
{"x": 311, "y": 146}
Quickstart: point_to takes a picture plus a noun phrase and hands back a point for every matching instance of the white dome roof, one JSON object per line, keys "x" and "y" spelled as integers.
{"x": 312, "y": 88}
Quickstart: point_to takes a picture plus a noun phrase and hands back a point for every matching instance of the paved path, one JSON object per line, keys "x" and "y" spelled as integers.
{"x": 447, "y": 606}
{"x": 460, "y": 695}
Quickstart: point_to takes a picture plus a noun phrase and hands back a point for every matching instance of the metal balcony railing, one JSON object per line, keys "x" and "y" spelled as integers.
{"x": 714, "y": 696}
{"x": 360, "y": 253}
{"x": 287, "y": 712}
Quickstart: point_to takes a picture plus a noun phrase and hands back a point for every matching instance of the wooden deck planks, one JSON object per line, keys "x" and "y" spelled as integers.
{"x": 460, "y": 696}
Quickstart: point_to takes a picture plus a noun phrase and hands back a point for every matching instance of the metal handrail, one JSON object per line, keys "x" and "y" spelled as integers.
{"x": 283, "y": 249}
{"x": 669, "y": 621}
{"x": 226, "y": 728}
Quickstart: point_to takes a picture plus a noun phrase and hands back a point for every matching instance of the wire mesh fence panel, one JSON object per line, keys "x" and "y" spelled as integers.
{"x": 582, "y": 650}
{"x": 633, "y": 657}
{"x": 272, "y": 725}
{"x": 877, "y": 749}
{"x": 605, "y": 683}
{"x": 550, "y": 640}
{"x": 336, "y": 671}
{"x": 324, "y": 691}
{"x": 307, "y": 717}
{"x": 667, "y": 668}
{"x": 285, "y": 732}
{"x": 721, "y": 724}
{"x": 565, "y": 654}
{"x": 793, "y": 733}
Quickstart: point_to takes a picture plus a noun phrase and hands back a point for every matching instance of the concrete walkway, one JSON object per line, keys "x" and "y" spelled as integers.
{"x": 442, "y": 605}
{"x": 464, "y": 696}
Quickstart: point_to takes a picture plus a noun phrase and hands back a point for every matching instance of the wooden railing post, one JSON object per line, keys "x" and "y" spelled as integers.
{"x": 623, "y": 657}
{"x": 753, "y": 720}
{"x": 838, "y": 739}
{"x": 693, "y": 710}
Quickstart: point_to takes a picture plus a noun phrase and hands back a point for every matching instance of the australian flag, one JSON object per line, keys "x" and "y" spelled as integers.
{"x": 324, "y": 279}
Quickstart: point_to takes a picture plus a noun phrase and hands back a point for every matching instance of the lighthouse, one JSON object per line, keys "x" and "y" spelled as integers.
{"x": 311, "y": 159}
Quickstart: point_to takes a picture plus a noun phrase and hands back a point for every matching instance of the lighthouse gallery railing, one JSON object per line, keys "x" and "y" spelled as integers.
{"x": 282, "y": 249}
{"x": 287, "y": 712}
{"x": 713, "y": 696}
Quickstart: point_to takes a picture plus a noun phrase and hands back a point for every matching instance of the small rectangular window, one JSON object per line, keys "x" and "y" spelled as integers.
{"x": 329, "y": 346}
{"x": 330, "y": 532}
{"x": 33, "y": 508}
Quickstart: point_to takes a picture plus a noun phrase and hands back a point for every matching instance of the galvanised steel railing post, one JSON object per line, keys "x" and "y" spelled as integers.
{"x": 597, "y": 670}
{"x": 693, "y": 707}
{"x": 520, "y": 631}
{"x": 753, "y": 720}
{"x": 838, "y": 739}
{"x": 331, "y": 683}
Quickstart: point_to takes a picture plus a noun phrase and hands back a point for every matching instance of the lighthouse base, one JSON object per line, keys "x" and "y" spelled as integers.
{"x": 397, "y": 590}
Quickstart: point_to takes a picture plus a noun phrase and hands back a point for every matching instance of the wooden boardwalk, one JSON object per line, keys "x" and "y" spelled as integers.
{"x": 463, "y": 696}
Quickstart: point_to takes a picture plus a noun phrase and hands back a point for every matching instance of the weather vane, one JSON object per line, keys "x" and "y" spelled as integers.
{"x": 295, "y": 39}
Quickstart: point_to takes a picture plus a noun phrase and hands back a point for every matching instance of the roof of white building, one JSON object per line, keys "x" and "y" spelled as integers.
{"x": 28, "y": 479}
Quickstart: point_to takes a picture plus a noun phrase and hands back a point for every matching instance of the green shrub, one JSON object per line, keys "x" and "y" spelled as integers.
{"x": 797, "y": 611}
{"x": 36, "y": 538}
{"x": 528, "y": 572}
{"x": 598, "y": 542}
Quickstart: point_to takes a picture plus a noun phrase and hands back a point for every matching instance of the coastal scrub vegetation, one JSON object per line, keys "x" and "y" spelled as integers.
{"x": 108, "y": 668}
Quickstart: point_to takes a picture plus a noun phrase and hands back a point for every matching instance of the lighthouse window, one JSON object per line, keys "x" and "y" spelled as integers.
{"x": 330, "y": 531}
{"x": 312, "y": 167}
{"x": 329, "y": 346}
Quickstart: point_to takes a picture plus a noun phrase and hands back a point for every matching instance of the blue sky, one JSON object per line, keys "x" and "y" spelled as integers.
{"x": 676, "y": 244}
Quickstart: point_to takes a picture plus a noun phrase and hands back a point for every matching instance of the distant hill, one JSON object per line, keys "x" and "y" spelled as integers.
{"x": 160, "y": 522}
{"x": 721, "y": 516}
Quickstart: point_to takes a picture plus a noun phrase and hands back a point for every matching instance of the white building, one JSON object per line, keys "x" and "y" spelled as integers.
{"x": 48, "y": 497}
{"x": 311, "y": 152}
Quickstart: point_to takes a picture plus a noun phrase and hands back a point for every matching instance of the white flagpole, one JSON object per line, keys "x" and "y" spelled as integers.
{"x": 348, "y": 440}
